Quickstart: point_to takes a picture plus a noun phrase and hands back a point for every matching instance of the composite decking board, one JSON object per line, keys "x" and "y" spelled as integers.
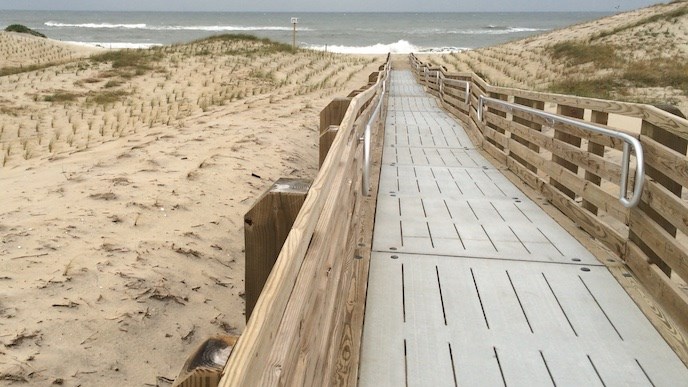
{"x": 533, "y": 315}
{"x": 471, "y": 283}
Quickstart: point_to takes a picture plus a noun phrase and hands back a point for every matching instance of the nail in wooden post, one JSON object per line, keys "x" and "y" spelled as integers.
{"x": 266, "y": 227}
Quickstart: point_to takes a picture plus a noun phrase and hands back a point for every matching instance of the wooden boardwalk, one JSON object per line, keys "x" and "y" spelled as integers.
{"x": 471, "y": 283}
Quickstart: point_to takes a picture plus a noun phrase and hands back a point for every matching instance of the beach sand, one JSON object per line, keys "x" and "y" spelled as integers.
{"x": 123, "y": 194}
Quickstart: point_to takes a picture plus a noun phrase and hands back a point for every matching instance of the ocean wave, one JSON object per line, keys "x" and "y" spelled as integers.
{"x": 116, "y": 45}
{"x": 400, "y": 47}
{"x": 495, "y": 30}
{"x": 172, "y": 28}
{"x": 96, "y": 25}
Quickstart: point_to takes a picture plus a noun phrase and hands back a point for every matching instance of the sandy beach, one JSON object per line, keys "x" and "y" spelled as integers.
{"x": 124, "y": 185}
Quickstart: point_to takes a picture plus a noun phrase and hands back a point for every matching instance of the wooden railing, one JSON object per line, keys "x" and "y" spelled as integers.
{"x": 299, "y": 332}
{"x": 579, "y": 172}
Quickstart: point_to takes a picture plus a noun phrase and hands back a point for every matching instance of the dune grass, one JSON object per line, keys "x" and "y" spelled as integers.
{"x": 671, "y": 16}
{"x": 576, "y": 53}
{"x": 22, "y": 29}
{"x": 61, "y": 97}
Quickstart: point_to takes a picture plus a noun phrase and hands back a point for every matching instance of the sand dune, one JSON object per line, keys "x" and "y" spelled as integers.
{"x": 22, "y": 50}
{"x": 631, "y": 56}
{"x": 125, "y": 181}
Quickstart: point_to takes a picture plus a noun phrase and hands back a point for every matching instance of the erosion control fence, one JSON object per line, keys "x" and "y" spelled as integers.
{"x": 593, "y": 177}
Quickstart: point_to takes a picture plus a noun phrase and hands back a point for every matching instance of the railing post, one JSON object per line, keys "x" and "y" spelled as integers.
{"x": 678, "y": 144}
{"x": 540, "y": 105}
{"x": 574, "y": 112}
{"x": 330, "y": 118}
{"x": 596, "y": 149}
{"x": 326, "y": 139}
{"x": 500, "y": 113}
{"x": 333, "y": 113}
{"x": 266, "y": 227}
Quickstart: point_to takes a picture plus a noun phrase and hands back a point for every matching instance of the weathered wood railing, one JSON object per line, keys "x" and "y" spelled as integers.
{"x": 299, "y": 332}
{"x": 579, "y": 172}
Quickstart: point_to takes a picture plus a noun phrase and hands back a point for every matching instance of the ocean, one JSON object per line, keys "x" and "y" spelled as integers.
{"x": 335, "y": 32}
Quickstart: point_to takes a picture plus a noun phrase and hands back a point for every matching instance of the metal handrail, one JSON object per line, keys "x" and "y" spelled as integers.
{"x": 629, "y": 141}
{"x": 365, "y": 180}
{"x": 467, "y": 84}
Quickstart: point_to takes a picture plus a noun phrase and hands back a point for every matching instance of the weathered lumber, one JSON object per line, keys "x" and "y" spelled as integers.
{"x": 534, "y": 126}
{"x": 249, "y": 362}
{"x": 333, "y": 113}
{"x": 574, "y": 112}
{"x": 596, "y": 149}
{"x": 266, "y": 226}
{"x": 665, "y": 291}
{"x": 653, "y": 136}
{"x": 325, "y": 143}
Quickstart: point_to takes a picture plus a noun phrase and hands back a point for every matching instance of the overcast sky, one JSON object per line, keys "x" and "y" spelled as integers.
{"x": 331, "y": 6}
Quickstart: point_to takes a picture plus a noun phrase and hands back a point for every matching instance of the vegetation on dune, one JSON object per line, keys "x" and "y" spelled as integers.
{"x": 256, "y": 45}
{"x": 61, "y": 97}
{"x": 107, "y": 97}
{"x": 622, "y": 74}
{"x": 120, "y": 92}
{"x": 22, "y": 69}
{"x": 129, "y": 62}
{"x": 671, "y": 16}
{"x": 23, "y": 30}
{"x": 636, "y": 57}
{"x": 577, "y": 53}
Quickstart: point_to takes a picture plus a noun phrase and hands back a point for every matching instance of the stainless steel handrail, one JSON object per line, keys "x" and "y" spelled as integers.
{"x": 467, "y": 84}
{"x": 629, "y": 142}
{"x": 365, "y": 180}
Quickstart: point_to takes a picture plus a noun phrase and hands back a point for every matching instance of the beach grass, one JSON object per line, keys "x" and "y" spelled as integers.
{"x": 636, "y": 57}
{"x": 115, "y": 93}
{"x": 576, "y": 53}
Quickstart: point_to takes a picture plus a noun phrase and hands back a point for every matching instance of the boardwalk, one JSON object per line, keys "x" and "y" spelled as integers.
{"x": 471, "y": 283}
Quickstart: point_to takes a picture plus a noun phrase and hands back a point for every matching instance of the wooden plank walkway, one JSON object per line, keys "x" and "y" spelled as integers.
{"x": 471, "y": 283}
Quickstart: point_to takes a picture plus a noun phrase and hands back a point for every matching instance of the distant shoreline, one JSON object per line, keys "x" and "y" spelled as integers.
{"x": 356, "y": 33}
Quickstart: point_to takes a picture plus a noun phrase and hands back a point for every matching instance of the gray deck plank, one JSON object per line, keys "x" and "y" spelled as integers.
{"x": 493, "y": 290}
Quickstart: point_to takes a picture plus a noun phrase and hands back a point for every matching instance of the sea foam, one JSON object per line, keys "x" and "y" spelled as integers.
{"x": 141, "y": 26}
{"x": 400, "y": 47}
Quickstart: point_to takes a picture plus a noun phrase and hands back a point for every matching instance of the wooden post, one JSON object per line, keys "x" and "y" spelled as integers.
{"x": 574, "y": 112}
{"x": 326, "y": 139}
{"x": 535, "y": 126}
{"x": 333, "y": 113}
{"x": 596, "y": 149}
{"x": 266, "y": 227}
{"x": 680, "y": 145}
{"x": 500, "y": 113}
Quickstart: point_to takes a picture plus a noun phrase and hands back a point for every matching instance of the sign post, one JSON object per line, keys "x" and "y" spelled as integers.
{"x": 294, "y": 21}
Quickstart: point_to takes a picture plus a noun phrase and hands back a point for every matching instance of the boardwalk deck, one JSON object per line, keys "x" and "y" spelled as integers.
{"x": 471, "y": 283}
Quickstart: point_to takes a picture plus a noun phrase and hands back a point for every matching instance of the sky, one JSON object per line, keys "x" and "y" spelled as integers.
{"x": 331, "y": 6}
